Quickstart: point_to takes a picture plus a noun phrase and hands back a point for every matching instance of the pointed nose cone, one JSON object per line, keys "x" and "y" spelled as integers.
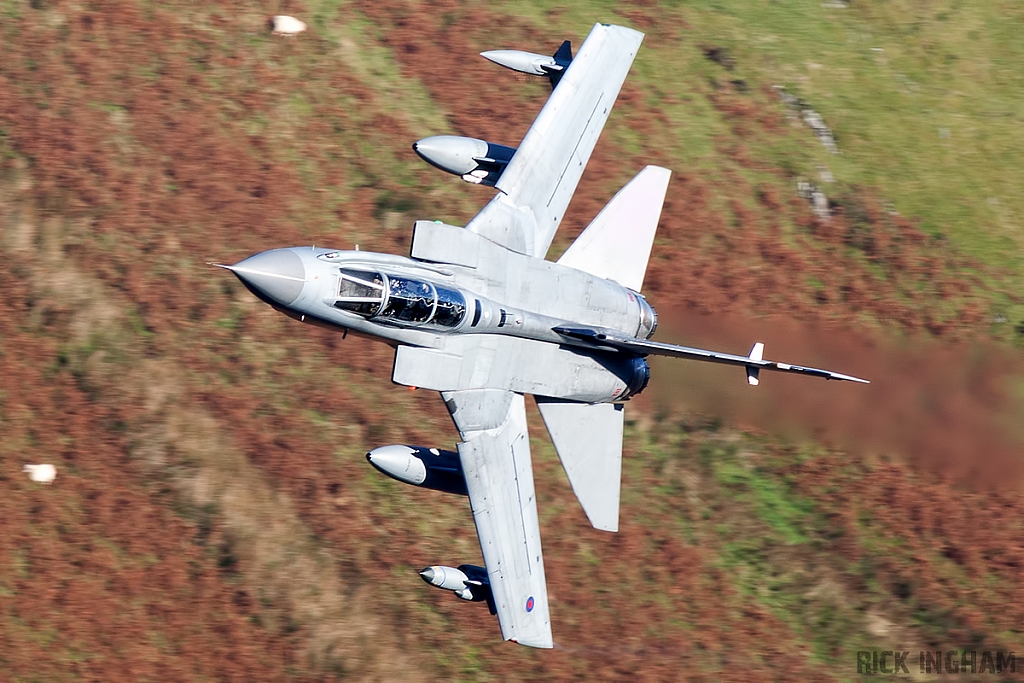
{"x": 428, "y": 575}
{"x": 276, "y": 276}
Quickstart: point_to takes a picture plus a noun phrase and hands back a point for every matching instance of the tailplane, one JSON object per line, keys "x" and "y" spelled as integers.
{"x": 588, "y": 439}
{"x": 617, "y": 244}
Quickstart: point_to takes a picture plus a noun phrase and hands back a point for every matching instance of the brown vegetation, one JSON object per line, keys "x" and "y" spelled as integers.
{"x": 101, "y": 578}
{"x": 213, "y": 516}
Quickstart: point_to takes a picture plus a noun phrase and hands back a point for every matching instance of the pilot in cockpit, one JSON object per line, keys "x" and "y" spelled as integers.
{"x": 400, "y": 298}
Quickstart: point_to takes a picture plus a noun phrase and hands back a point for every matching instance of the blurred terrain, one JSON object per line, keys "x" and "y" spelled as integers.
{"x": 213, "y": 517}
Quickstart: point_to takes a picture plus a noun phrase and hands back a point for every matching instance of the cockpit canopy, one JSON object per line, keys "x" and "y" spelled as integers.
{"x": 416, "y": 302}
{"x": 361, "y": 292}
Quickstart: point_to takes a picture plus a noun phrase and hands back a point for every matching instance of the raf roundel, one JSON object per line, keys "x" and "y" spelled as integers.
{"x": 529, "y": 604}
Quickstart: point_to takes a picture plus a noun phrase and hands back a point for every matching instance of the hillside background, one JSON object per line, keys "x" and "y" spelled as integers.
{"x": 214, "y": 517}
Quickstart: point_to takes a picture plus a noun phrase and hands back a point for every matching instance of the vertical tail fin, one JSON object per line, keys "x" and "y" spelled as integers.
{"x": 617, "y": 244}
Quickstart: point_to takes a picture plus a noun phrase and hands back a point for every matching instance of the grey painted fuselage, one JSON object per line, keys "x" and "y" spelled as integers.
{"x": 468, "y": 322}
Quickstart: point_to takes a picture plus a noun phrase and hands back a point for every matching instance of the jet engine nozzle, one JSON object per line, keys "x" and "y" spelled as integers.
{"x": 428, "y": 468}
{"x": 475, "y": 161}
{"x": 648, "y": 318}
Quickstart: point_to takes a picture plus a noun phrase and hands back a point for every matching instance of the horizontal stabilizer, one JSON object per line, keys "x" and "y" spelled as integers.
{"x": 617, "y": 244}
{"x": 588, "y": 439}
{"x": 609, "y": 341}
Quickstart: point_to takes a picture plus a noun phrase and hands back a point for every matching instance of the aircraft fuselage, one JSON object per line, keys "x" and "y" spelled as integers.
{"x": 412, "y": 303}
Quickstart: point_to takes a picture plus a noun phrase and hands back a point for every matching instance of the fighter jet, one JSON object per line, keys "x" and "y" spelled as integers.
{"x": 478, "y": 314}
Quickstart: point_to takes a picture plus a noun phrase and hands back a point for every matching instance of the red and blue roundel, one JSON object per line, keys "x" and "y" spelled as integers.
{"x": 529, "y": 604}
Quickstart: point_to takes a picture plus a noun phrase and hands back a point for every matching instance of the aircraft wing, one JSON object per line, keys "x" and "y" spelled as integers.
{"x": 606, "y": 341}
{"x": 541, "y": 178}
{"x": 495, "y": 455}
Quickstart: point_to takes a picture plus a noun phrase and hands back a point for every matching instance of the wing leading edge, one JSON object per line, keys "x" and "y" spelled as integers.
{"x": 495, "y": 456}
{"x": 541, "y": 178}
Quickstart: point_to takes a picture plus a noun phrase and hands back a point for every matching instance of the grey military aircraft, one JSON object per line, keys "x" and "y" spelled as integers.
{"x": 478, "y": 314}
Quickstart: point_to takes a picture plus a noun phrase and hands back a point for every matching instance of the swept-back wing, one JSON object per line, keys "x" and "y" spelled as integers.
{"x": 495, "y": 455}
{"x": 541, "y": 178}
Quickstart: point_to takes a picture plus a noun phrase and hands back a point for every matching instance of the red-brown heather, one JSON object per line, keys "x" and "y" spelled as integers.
{"x": 145, "y": 140}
